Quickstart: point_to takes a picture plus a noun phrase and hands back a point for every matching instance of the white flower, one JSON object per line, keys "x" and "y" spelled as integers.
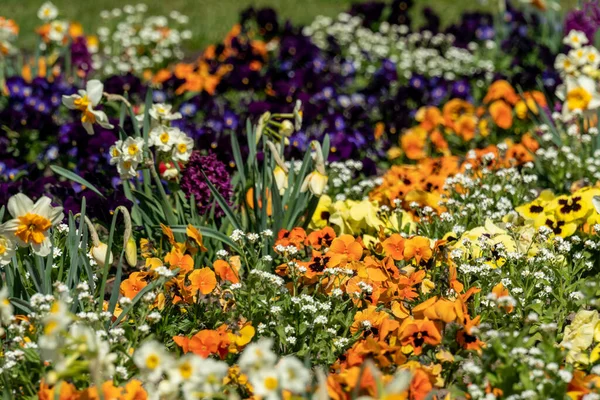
{"x": 182, "y": 148}
{"x": 592, "y": 56}
{"x": 116, "y": 151}
{"x": 85, "y": 101}
{"x": 31, "y": 222}
{"x": 58, "y": 31}
{"x": 211, "y": 376}
{"x": 47, "y": 11}
{"x": 293, "y": 374}
{"x": 162, "y": 112}
{"x": 187, "y": 368}
{"x": 152, "y": 360}
{"x": 581, "y": 94}
{"x": 257, "y": 356}
{"x": 133, "y": 149}
{"x": 127, "y": 168}
{"x": 316, "y": 182}
{"x": 7, "y": 246}
{"x": 6, "y": 309}
{"x": 575, "y": 39}
{"x": 164, "y": 137}
{"x": 265, "y": 384}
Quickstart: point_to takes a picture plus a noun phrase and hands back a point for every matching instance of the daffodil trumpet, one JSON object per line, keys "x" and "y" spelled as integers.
{"x": 280, "y": 172}
{"x": 316, "y": 181}
{"x": 99, "y": 251}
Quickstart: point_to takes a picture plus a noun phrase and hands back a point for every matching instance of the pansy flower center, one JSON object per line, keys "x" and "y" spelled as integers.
{"x": 32, "y": 228}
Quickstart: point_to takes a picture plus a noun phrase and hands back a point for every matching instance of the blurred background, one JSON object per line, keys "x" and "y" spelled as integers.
{"x": 210, "y": 20}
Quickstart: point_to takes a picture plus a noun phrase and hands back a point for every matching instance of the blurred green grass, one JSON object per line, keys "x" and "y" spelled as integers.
{"x": 210, "y": 20}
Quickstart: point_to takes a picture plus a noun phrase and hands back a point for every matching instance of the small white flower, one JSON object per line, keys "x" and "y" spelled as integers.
{"x": 575, "y": 39}
{"x": 47, "y": 11}
{"x": 183, "y": 146}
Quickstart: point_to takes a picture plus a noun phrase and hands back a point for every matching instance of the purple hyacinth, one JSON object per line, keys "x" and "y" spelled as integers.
{"x": 585, "y": 20}
{"x": 194, "y": 183}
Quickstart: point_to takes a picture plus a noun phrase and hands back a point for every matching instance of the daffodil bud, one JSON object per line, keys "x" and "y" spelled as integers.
{"x": 315, "y": 182}
{"x": 131, "y": 252}
{"x": 262, "y": 122}
{"x": 287, "y": 128}
{"x": 281, "y": 179}
{"x": 99, "y": 252}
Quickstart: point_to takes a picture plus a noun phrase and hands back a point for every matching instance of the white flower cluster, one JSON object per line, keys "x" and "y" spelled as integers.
{"x": 131, "y": 41}
{"x": 58, "y": 29}
{"x": 129, "y": 153}
{"x": 420, "y": 53}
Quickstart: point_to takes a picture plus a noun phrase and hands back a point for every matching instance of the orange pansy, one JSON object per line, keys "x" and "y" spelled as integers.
{"x": 203, "y": 280}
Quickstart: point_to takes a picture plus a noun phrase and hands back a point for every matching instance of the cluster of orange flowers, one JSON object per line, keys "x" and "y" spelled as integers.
{"x": 398, "y": 316}
{"x": 206, "y": 73}
{"x": 67, "y": 391}
{"x": 501, "y": 106}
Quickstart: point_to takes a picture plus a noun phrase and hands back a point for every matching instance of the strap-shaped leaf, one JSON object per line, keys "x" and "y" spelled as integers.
{"x": 72, "y": 176}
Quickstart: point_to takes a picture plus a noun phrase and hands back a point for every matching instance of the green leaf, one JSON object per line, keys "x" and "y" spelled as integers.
{"x": 75, "y": 178}
{"x": 221, "y": 201}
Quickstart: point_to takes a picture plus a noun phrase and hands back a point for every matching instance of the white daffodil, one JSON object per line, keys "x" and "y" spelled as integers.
{"x": 127, "y": 168}
{"x": 6, "y": 309}
{"x": 58, "y": 31}
{"x": 116, "y": 152}
{"x": 31, "y": 222}
{"x": 7, "y": 246}
{"x": 581, "y": 94}
{"x": 565, "y": 64}
{"x": 182, "y": 148}
{"x": 257, "y": 356}
{"x": 578, "y": 56}
{"x": 266, "y": 384}
{"x": 133, "y": 149}
{"x": 316, "y": 181}
{"x": 85, "y": 101}
{"x": 187, "y": 369}
{"x": 592, "y": 56}
{"x": 163, "y": 137}
{"x": 152, "y": 360}
{"x": 47, "y": 11}
{"x": 211, "y": 376}
{"x": 575, "y": 39}
{"x": 294, "y": 376}
{"x": 162, "y": 112}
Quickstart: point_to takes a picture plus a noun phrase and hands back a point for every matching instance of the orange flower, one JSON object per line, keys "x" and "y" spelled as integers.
{"x": 109, "y": 392}
{"x": 465, "y": 127}
{"x": 413, "y": 143}
{"x": 454, "y": 109}
{"x": 417, "y": 332}
{"x": 501, "y": 90}
{"x": 500, "y": 291}
{"x": 368, "y": 319}
{"x": 320, "y": 238}
{"x": 67, "y": 391}
{"x": 429, "y": 117}
{"x": 420, "y": 385}
{"x": 501, "y": 114}
{"x": 226, "y": 271}
{"x": 194, "y": 234}
{"x": 161, "y": 76}
{"x": 134, "y": 391}
{"x": 344, "y": 249}
{"x": 454, "y": 283}
{"x": 204, "y": 343}
{"x": 131, "y": 286}
{"x": 296, "y": 237}
{"x": 394, "y": 246}
{"x": 417, "y": 247}
{"x": 529, "y": 142}
{"x": 203, "y": 280}
{"x": 465, "y": 336}
{"x": 177, "y": 259}
{"x": 518, "y": 154}
{"x": 250, "y": 200}
{"x": 168, "y": 233}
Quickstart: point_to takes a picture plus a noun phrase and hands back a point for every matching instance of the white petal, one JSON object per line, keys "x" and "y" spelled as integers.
{"x": 88, "y": 127}
{"x": 94, "y": 90}
{"x": 19, "y": 204}
{"x": 69, "y": 101}
{"x": 42, "y": 249}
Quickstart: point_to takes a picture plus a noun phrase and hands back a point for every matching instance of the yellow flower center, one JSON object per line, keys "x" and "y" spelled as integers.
{"x": 270, "y": 383}
{"x": 164, "y": 137}
{"x": 46, "y": 12}
{"x": 82, "y": 103}
{"x": 115, "y": 152}
{"x": 2, "y": 248}
{"x": 185, "y": 370}
{"x": 32, "y": 228}
{"x": 182, "y": 148}
{"x": 50, "y": 327}
{"x": 578, "y": 98}
{"x": 127, "y": 164}
{"x": 152, "y": 361}
{"x": 88, "y": 116}
{"x": 133, "y": 149}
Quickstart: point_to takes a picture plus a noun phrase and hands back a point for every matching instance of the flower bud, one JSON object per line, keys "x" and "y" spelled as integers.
{"x": 131, "y": 252}
{"x": 99, "y": 252}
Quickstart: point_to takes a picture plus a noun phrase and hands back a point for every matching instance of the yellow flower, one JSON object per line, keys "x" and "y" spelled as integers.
{"x": 559, "y": 227}
{"x": 570, "y": 208}
{"x": 315, "y": 182}
{"x": 580, "y": 335}
{"x": 536, "y": 207}
{"x": 320, "y": 218}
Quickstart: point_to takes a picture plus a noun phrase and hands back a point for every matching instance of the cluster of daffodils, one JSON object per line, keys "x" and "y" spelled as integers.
{"x": 9, "y": 31}
{"x": 54, "y": 31}
{"x": 29, "y": 226}
{"x": 413, "y": 53}
{"x": 131, "y": 41}
{"x": 579, "y": 71}
{"x": 171, "y": 144}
